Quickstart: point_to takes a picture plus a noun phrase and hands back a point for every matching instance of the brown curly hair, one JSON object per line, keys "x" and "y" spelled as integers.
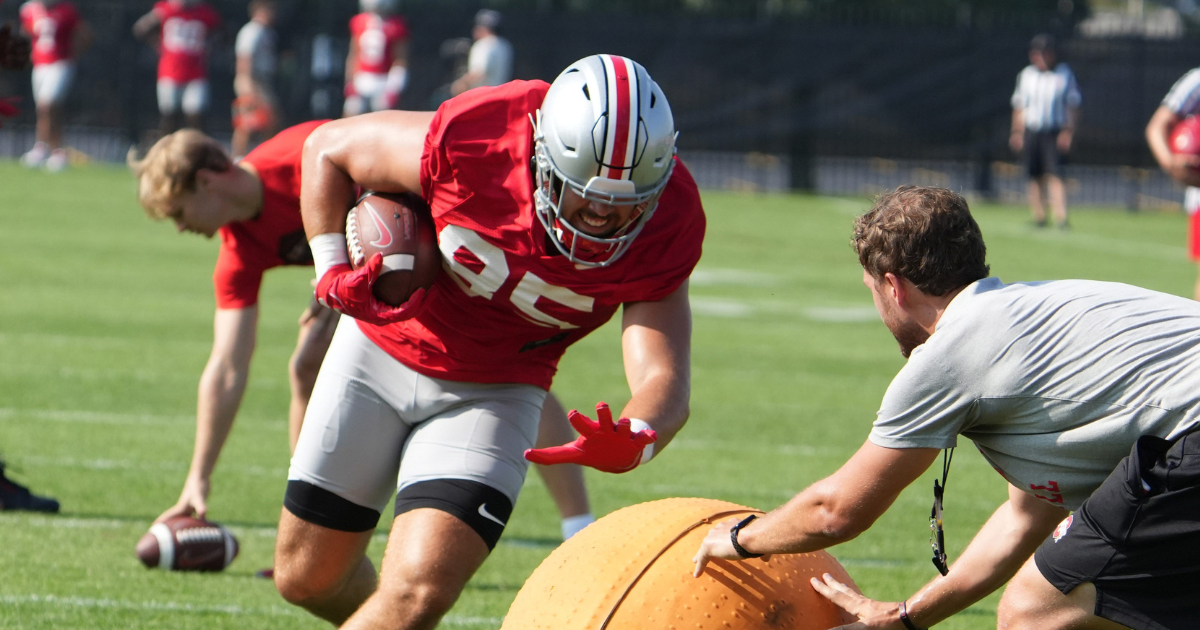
{"x": 925, "y": 235}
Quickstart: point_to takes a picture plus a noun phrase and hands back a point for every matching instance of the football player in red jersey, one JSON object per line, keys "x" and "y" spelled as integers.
{"x": 184, "y": 28}
{"x": 59, "y": 36}
{"x": 376, "y": 66}
{"x": 555, "y": 206}
{"x": 254, "y": 205}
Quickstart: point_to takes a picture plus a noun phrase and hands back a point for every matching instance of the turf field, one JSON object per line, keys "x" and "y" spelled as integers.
{"x": 105, "y": 325}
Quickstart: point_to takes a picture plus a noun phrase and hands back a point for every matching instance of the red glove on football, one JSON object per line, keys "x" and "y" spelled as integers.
{"x": 605, "y": 446}
{"x": 349, "y": 291}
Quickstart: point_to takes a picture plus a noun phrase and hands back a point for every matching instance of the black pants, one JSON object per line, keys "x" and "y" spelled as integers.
{"x": 1041, "y": 155}
{"x": 1137, "y": 539}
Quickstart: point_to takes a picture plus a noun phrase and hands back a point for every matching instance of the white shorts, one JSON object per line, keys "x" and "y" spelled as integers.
{"x": 370, "y": 94}
{"x": 1191, "y": 199}
{"x": 51, "y": 81}
{"x": 374, "y": 426}
{"x": 191, "y": 98}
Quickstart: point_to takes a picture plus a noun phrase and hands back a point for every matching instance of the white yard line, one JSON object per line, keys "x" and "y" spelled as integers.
{"x": 95, "y": 417}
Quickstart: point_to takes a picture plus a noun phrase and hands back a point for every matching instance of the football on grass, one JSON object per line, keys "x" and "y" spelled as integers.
{"x": 400, "y": 227}
{"x": 1185, "y": 136}
{"x": 185, "y": 543}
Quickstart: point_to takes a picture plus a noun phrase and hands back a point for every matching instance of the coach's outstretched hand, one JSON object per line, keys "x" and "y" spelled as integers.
{"x": 872, "y": 615}
{"x": 349, "y": 291}
{"x": 603, "y": 445}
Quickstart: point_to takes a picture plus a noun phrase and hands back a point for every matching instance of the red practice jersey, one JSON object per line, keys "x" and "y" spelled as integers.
{"x": 183, "y": 49}
{"x": 507, "y": 305}
{"x": 276, "y": 236}
{"x": 52, "y": 29}
{"x": 377, "y": 38}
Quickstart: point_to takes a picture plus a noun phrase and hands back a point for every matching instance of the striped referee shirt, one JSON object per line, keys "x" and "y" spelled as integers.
{"x": 1043, "y": 97}
{"x": 1184, "y": 98}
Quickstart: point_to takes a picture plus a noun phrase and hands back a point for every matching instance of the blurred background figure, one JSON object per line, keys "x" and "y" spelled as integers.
{"x": 184, "y": 28}
{"x": 1045, "y": 112}
{"x": 14, "y": 55}
{"x": 58, "y": 35}
{"x": 376, "y": 66}
{"x": 491, "y": 58}
{"x": 326, "y": 81}
{"x": 1181, "y": 102}
{"x": 255, "y": 110}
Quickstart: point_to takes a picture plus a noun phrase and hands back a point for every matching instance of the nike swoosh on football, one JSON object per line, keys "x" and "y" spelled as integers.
{"x": 385, "y": 235}
{"x": 485, "y": 514}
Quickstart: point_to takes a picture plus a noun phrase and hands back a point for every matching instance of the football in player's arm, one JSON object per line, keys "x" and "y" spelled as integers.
{"x": 541, "y": 245}
{"x": 1082, "y": 394}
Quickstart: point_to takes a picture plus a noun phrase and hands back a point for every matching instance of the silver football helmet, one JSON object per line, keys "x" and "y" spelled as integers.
{"x": 604, "y": 129}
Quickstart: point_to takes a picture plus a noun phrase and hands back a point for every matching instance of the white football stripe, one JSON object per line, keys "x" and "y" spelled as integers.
{"x": 393, "y": 262}
{"x": 166, "y": 545}
{"x": 230, "y": 546}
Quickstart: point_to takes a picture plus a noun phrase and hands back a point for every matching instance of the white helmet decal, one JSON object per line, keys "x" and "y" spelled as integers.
{"x": 604, "y": 129}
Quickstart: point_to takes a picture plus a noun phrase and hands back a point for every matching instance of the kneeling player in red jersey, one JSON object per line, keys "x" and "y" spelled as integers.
{"x": 254, "y": 204}
{"x": 555, "y": 205}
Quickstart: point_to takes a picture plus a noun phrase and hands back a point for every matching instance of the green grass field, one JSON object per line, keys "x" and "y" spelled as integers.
{"x": 105, "y": 325}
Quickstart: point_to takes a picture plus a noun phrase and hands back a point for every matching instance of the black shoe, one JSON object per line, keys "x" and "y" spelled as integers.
{"x": 14, "y": 496}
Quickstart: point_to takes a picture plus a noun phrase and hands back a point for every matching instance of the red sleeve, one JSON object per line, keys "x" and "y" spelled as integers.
{"x": 236, "y": 280}
{"x": 27, "y": 18}
{"x": 163, "y": 9}
{"x": 669, "y": 247}
{"x": 70, "y": 17}
{"x": 398, "y": 28}
{"x": 212, "y": 19}
{"x": 356, "y": 25}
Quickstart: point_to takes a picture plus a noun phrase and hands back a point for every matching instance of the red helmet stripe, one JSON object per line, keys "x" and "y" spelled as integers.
{"x": 622, "y": 101}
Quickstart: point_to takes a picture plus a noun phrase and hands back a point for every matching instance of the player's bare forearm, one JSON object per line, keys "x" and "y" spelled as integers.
{"x": 995, "y": 554}
{"x": 222, "y": 385}
{"x": 656, "y": 340}
{"x": 1157, "y": 133}
{"x": 841, "y": 506}
{"x": 379, "y": 151}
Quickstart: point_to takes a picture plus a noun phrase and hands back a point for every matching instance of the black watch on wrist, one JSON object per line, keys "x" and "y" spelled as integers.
{"x": 733, "y": 533}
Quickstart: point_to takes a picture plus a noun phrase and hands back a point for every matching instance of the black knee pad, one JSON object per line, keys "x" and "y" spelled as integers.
{"x": 322, "y": 507}
{"x": 482, "y": 507}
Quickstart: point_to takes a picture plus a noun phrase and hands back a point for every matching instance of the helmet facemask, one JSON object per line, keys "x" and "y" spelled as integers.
{"x": 579, "y": 247}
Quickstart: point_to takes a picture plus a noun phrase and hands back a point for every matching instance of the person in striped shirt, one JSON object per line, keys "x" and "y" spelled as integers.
{"x": 1045, "y": 111}
{"x": 1181, "y": 102}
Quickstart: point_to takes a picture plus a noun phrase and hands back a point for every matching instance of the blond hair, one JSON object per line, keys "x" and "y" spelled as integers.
{"x": 169, "y": 168}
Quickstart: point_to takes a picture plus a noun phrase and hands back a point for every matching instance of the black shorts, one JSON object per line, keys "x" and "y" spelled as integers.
{"x": 1139, "y": 547}
{"x": 1041, "y": 155}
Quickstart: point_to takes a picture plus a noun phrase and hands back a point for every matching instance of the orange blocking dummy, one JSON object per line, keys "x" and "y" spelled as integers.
{"x": 632, "y": 570}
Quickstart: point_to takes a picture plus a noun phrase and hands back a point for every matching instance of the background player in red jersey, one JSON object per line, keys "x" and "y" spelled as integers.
{"x": 555, "y": 207}
{"x": 377, "y": 64}
{"x": 254, "y": 205}
{"x": 58, "y": 35}
{"x": 184, "y": 28}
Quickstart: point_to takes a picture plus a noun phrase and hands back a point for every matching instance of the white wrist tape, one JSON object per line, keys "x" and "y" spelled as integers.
{"x": 636, "y": 425}
{"x": 328, "y": 250}
{"x": 397, "y": 77}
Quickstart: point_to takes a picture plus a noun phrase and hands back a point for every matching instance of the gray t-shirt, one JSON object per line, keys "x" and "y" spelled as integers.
{"x": 1052, "y": 381}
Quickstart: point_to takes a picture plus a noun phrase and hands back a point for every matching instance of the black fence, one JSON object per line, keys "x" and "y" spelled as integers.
{"x": 781, "y": 86}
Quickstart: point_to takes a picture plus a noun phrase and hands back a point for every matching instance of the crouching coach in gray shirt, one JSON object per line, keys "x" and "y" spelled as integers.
{"x": 1084, "y": 396}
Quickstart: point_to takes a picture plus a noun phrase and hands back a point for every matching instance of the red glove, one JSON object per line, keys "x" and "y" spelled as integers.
{"x": 601, "y": 445}
{"x": 349, "y": 291}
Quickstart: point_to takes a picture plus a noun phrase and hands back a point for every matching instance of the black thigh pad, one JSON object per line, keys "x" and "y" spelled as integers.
{"x": 482, "y": 507}
{"x": 321, "y": 507}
